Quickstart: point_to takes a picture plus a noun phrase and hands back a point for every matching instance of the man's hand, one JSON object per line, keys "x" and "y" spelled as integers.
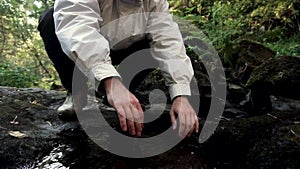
{"x": 187, "y": 117}
{"x": 129, "y": 110}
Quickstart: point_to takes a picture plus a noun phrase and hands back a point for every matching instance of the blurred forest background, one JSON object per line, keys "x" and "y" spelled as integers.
{"x": 272, "y": 23}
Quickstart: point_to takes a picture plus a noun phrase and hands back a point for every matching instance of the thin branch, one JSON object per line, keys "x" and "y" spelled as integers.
{"x": 294, "y": 133}
{"x": 42, "y": 65}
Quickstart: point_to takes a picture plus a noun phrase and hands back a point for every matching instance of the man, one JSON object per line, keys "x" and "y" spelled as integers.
{"x": 81, "y": 35}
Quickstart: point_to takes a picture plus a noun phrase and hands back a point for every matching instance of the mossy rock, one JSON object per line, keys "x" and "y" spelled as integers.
{"x": 246, "y": 57}
{"x": 277, "y": 76}
{"x": 282, "y": 149}
{"x": 266, "y": 141}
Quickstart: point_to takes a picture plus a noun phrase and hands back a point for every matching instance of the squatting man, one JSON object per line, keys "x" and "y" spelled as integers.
{"x": 75, "y": 37}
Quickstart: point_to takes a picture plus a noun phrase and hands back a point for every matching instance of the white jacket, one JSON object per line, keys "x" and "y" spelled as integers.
{"x": 89, "y": 29}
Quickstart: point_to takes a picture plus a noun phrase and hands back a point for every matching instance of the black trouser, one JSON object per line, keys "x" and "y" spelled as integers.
{"x": 65, "y": 66}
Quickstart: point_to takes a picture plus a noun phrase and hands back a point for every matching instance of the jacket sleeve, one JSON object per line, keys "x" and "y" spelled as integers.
{"x": 78, "y": 30}
{"x": 168, "y": 49}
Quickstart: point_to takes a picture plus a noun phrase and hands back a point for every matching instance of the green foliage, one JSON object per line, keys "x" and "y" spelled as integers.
{"x": 16, "y": 76}
{"x": 21, "y": 48}
{"x": 286, "y": 47}
{"x": 272, "y": 23}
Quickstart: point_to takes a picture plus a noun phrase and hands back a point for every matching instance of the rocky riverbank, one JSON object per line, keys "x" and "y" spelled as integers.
{"x": 259, "y": 128}
{"x": 264, "y": 141}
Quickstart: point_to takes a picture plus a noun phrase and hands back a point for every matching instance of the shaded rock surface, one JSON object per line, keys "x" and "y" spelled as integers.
{"x": 51, "y": 143}
{"x": 248, "y": 55}
{"x": 277, "y": 76}
{"x": 266, "y": 141}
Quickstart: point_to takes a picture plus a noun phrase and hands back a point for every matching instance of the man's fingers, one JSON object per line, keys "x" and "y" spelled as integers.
{"x": 182, "y": 130}
{"x": 190, "y": 121}
{"x": 187, "y": 116}
{"x": 190, "y": 133}
{"x": 137, "y": 120}
{"x": 122, "y": 118}
{"x": 196, "y": 124}
{"x": 141, "y": 113}
{"x": 138, "y": 106}
{"x": 131, "y": 127}
{"x": 173, "y": 119}
{"x": 129, "y": 110}
{"x": 138, "y": 115}
{"x": 135, "y": 102}
{"x": 130, "y": 120}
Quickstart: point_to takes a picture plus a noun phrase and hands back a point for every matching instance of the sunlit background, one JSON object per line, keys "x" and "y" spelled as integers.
{"x": 273, "y": 23}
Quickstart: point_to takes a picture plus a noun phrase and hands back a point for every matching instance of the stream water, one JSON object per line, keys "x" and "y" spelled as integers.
{"x": 80, "y": 152}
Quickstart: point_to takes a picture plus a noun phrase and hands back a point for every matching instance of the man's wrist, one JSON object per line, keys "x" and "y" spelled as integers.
{"x": 180, "y": 97}
{"x": 108, "y": 82}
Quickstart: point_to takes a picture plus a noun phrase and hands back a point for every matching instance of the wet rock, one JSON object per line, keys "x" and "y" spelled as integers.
{"x": 277, "y": 76}
{"x": 284, "y": 104}
{"x": 152, "y": 81}
{"x": 203, "y": 83}
{"x": 237, "y": 92}
{"x": 266, "y": 141}
{"x": 238, "y": 143}
{"x": 248, "y": 55}
{"x": 155, "y": 80}
{"x": 283, "y": 149}
{"x": 233, "y": 113}
{"x": 238, "y": 97}
{"x": 30, "y": 108}
{"x": 52, "y": 143}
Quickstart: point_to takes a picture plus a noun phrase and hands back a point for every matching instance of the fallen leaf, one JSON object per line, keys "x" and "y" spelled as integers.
{"x": 14, "y": 122}
{"x": 17, "y": 134}
{"x": 33, "y": 102}
{"x": 49, "y": 123}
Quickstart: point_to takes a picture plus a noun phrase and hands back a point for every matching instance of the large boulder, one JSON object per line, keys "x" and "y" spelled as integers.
{"x": 268, "y": 141}
{"x": 277, "y": 76}
{"x": 246, "y": 57}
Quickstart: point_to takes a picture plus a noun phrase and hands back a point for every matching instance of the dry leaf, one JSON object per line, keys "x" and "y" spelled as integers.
{"x": 33, "y": 102}
{"x": 50, "y": 124}
{"x": 14, "y": 122}
{"x": 17, "y": 134}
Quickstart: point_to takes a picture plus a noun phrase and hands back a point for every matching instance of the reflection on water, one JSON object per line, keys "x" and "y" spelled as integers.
{"x": 52, "y": 160}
